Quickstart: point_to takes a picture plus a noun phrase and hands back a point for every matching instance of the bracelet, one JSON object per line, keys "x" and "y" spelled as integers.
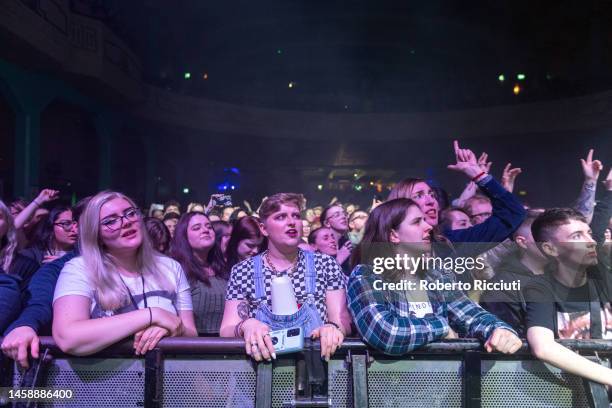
{"x": 36, "y": 202}
{"x": 474, "y": 179}
{"x": 150, "y": 316}
{"x": 334, "y": 324}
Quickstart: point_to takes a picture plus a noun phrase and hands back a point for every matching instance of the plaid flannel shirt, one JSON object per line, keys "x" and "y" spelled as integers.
{"x": 386, "y": 323}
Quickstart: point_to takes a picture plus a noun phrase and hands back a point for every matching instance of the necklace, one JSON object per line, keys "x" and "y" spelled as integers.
{"x": 289, "y": 270}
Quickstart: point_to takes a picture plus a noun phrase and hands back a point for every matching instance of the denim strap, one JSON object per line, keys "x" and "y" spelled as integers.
{"x": 260, "y": 288}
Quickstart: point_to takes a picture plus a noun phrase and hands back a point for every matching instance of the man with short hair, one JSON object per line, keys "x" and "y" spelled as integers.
{"x": 479, "y": 209}
{"x": 573, "y": 299}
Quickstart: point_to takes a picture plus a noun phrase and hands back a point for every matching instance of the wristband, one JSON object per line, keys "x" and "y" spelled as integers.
{"x": 479, "y": 176}
{"x": 150, "y": 316}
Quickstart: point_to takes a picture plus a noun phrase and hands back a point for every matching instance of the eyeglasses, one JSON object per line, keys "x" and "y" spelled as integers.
{"x": 115, "y": 223}
{"x": 358, "y": 217}
{"x": 480, "y": 216}
{"x": 65, "y": 225}
{"x": 422, "y": 194}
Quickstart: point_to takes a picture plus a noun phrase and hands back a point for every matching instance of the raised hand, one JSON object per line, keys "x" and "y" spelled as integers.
{"x": 509, "y": 176}
{"x": 591, "y": 168}
{"x": 483, "y": 163}
{"x": 46, "y": 195}
{"x": 608, "y": 181}
{"x": 466, "y": 162}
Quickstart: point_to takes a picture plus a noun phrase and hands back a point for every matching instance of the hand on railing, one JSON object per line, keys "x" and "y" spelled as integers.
{"x": 331, "y": 338}
{"x": 17, "y": 343}
{"x": 146, "y": 340}
{"x": 257, "y": 340}
{"x": 503, "y": 341}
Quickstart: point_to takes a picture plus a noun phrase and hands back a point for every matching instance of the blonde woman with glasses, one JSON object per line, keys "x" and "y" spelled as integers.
{"x": 119, "y": 286}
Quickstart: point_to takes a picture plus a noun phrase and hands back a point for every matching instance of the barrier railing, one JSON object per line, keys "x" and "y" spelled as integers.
{"x": 215, "y": 372}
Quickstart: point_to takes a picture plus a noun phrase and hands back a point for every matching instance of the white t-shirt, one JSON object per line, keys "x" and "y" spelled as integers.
{"x": 74, "y": 280}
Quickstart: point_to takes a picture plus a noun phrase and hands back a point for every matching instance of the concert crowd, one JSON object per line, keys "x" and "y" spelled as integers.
{"x": 107, "y": 269}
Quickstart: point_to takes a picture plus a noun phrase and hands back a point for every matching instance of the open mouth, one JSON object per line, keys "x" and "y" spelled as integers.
{"x": 128, "y": 233}
{"x": 431, "y": 213}
{"x": 292, "y": 233}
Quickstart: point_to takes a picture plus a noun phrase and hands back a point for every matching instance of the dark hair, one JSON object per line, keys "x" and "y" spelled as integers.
{"x": 312, "y": 237}
{"x": 182, "y": 252}
{"x": 326, "y": 209}
{"x": 545, "y": 225}
{"x": 221, "y": 228}
{"x": 384, "y": 218}
{"x": 234, "y": 216}
{"x": 79, "y": 207}
{"x": 445, "y": 221}
{"x": 159, "y": 234}
{"x": 44, "y": 234}
{"x": 245, "y": 228}
{"x": 171, "y": 216}
{"x": 172, "y": 203}
{"x": 273, "y": 203}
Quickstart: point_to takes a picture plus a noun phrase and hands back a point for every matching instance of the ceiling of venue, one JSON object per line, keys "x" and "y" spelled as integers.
{"x": 369, "y": 56}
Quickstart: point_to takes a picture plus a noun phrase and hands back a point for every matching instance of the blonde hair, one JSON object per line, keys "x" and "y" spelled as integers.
{"x": 100, "y": 266}
{"x": 8, "y": 243}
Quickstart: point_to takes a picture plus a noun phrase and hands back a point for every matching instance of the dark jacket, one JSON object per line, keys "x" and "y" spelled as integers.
{"x": 507, "y": 215}
{"x": 37, "y": 299}
{"x": 9, "y": 299}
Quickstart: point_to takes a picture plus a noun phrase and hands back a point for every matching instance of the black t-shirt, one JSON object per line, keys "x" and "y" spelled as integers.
{"x": 567, "y": 311}
{"x": 510, "y": 305}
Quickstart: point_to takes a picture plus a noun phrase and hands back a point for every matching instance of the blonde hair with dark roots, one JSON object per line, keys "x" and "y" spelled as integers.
{"x": 100, "y": 266}
{"x": 8, "y": 243}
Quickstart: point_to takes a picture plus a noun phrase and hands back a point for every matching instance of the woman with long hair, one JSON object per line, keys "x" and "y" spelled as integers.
{"x": 223, "y": 232}
{"x": 55, "y": 235}
{"x": 195, "y": 248}
{"x": 316, "y": 280}
{"x": 246, "y": 241}
{"x": 391, "y": 311}
{"x": 159, "y": 234}
{"x": 119, "y": 286}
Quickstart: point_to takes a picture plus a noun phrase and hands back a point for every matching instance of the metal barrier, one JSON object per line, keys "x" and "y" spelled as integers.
{"x": 214, "y": 372}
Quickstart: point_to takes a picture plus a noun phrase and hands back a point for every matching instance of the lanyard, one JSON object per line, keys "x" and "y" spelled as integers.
{"x": 144, "y": 296}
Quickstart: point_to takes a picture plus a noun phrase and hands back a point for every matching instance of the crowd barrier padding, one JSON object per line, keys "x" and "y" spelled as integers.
{"x": 215, "y": 372}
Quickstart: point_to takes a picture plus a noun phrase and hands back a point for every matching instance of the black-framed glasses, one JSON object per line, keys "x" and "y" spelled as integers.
{"x": 66, "y": 225}
{"x": 115, "y": 222}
